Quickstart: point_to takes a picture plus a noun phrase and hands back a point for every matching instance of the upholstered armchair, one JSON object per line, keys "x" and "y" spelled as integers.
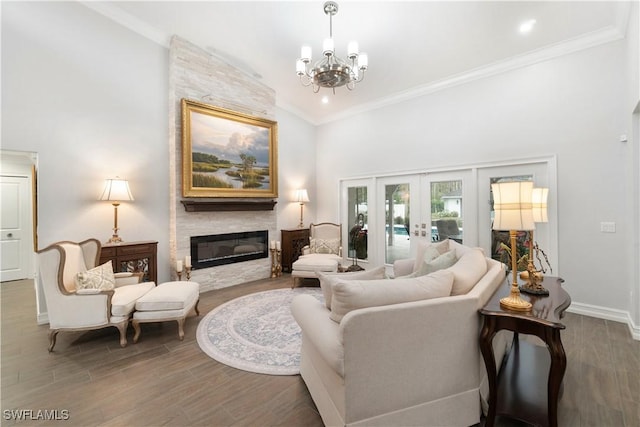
{"x": 323, "y": 254}
{"x": 75, "y": 302}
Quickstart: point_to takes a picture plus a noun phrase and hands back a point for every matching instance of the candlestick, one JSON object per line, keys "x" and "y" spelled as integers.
{"x": 188, "y": 272}
{"x": 179, "y": 266}
{"x": 278, "y": 245}
{"x": 187, "y": 261}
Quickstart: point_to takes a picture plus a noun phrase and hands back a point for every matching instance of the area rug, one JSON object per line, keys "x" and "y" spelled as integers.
{"x": 256, "y": 332}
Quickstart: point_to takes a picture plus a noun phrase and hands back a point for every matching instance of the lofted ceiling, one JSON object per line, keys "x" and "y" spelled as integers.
{"x": 414, "y": 47}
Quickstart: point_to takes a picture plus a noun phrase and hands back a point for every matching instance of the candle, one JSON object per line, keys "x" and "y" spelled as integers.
{"x": 273, "y": 244}
{"x": 187, "y": 261}
{"x": 179, "y": 265}
{"x": 278, "y": 245}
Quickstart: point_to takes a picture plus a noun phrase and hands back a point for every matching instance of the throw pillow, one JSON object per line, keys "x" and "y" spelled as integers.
{"x": 100, "y": 278}
{"x": 469, "y": 269}
{"x": 328, "y": 280}
{"x": 324, "y": 246}
{"x": 443, "y": 261}
{"x": 427, "y": 252}
{"x": 351, "y": 295}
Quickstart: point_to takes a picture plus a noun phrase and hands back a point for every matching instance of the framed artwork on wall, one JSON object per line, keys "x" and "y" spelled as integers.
{"x": 227, "y": 154}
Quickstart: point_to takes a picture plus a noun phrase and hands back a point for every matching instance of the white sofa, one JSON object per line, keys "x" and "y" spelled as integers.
{"x": 410, "y": 363}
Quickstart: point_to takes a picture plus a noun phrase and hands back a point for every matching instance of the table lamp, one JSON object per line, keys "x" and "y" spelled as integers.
{"x": 116, "y": 190}
{"x": 512, "y": 205}
{"x": 301, "y": 197}
{"x": 539, "y": 208}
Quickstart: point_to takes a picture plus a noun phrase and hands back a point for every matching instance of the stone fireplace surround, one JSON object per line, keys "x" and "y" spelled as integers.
{"x": 198, "y": 75}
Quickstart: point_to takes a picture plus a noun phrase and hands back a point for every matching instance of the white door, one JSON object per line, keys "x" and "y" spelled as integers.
{"x": 397, "y": 225}
{"x": 15, "y": 228}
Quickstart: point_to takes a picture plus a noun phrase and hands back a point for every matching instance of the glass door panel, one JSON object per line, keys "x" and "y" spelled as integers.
{"x": 397, "y": 202}
{"x": 358, "y": 220}
{"x": 446, "y": 210}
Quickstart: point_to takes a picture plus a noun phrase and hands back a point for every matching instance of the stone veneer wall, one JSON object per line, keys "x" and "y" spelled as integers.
{"x": 197, "y": 75}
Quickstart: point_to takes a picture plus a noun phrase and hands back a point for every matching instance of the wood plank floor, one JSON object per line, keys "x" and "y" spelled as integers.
{"x": 163, "y": 381}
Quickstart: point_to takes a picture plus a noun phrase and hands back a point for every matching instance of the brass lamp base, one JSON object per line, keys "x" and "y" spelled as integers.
{"x": 515, "y": 302}
{"x": 115, "y": 239}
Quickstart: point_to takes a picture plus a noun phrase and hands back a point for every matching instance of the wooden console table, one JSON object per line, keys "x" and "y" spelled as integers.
{"x": 292, "y": 243}
{"x": 523, "y": 390}
{"x": 132, "y": 256}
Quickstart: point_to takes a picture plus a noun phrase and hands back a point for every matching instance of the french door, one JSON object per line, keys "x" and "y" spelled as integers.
{"x": 388, "y": 216}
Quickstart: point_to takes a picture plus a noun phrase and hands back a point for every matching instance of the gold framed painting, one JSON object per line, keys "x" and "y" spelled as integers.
{"x": 227, "y": 154}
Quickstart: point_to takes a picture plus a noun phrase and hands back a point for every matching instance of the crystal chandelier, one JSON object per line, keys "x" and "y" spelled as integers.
{"x": 332, "y": 71}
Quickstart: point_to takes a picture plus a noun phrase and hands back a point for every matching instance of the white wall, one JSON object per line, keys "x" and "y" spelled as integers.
{"x": 296, "y": 153}
{"x": 90, "y": 98}
{"x": 572, "y": 106}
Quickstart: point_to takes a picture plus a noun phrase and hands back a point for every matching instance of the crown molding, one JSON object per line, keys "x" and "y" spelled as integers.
{"x": 577, "y": 44}
{"x": 129, "y": 21}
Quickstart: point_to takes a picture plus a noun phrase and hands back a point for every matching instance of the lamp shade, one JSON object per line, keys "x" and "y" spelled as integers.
{"x": 116, "y": 190}
{"x": 539, "y": 204}
{"x": 301, "y": 196}
{"x": 512, "y": 204}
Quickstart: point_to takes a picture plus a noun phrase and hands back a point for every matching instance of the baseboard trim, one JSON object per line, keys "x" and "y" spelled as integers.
{"x": 607, "y": 314}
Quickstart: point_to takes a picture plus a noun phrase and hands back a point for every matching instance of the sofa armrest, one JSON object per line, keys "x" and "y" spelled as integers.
{"x": 403, "y": 267}
{"x": 420, "y": 352}
{"x": 313, "y": 318}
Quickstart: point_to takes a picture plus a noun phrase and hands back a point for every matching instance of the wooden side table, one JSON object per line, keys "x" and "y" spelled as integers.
{"x": 133, "y": 256}
{"x": 292, "y": 243}
{"x": 528, "y": 385}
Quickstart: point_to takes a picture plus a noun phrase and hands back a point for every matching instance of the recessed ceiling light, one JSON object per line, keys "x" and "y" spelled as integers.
{"x": 527, "y": 26}
{"x": 325, "y": 99}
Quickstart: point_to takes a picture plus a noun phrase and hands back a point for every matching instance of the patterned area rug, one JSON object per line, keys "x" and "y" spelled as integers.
{"x": 256, "y": 332}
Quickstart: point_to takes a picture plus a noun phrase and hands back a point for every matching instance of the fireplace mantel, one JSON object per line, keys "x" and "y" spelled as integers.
{"x": 227, "y": 205}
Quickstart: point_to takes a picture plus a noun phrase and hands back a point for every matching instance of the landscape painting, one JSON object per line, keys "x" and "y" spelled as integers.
{"x": 226, "y": 153}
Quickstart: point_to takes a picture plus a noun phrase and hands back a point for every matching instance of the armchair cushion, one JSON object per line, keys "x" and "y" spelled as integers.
{"x": 125, "y": 297}
{"x": 350, "y": 295}
{"x": 328, "y": 280}
{"x": 324, "y": 246}
{"x": 100, "y": 278}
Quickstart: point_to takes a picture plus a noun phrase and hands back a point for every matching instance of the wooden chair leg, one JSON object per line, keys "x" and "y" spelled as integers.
{"x": 181, "y": 328}
{"x": 136, "y": 328}
{"x": 122, "y": 327}
{"x": 53, "y": 333}
{"x": 196, "y": 308}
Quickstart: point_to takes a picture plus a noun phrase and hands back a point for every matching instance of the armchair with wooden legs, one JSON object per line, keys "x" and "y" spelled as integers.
{"x": 70, "y": 309}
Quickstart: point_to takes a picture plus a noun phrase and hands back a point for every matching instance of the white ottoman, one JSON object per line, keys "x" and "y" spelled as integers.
{"x": 167, "y": 301}
{"x": 309, "y": 265}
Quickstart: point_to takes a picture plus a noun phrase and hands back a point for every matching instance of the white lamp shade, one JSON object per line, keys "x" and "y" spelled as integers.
{"x": 116, "y": 190}
{"x": 539, "y": 204}
{"x": 300, "y": 67}
{"x": 352, "y": 49}
{"x": 301, "y": 196}
{"x": 305, "y": 53}
{"x": 327, "y": 47}
{"x": 363, "y": 61}
{"x": 512, "y": 204}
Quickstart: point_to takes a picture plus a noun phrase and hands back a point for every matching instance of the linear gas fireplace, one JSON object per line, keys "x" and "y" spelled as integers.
{"x": 220, "y": 249}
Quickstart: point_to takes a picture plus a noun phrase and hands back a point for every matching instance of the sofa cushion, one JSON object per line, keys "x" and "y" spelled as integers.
{"x": 169, "y": 296}
{"x": 350, "y": 295}
{"x": 100, "y": 278}
{"x": 328, "y": 280}
{"x": 429, "y": 251}
{"x": 441, "y": 262}
{"x": 467, "y": 271}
